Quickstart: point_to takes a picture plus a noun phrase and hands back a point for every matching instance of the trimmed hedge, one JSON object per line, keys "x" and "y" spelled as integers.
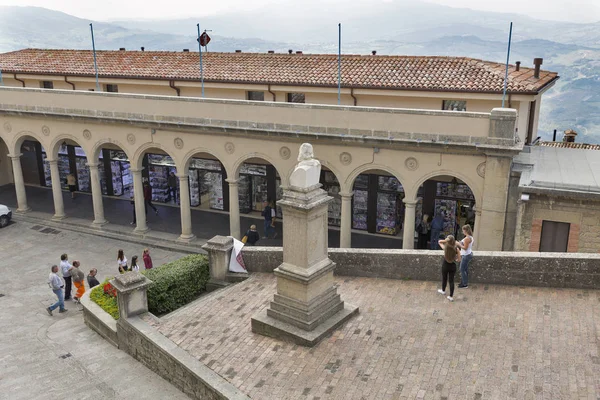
{"x": 106, "y": 298}
{"x": 177, "y": 283}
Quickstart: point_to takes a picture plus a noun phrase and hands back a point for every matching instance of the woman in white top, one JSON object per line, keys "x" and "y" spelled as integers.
{"x": 134, "y": 266}
{"x": 122, "y": 261}
{"x": 466, "y": 252}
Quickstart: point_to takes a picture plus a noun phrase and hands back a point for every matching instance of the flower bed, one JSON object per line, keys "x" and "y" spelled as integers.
{"x": 177, "y": 283}
{"x": 105, "y": 295}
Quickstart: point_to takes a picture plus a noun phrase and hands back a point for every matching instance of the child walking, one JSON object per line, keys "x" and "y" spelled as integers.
{"x": 451, "y": 255}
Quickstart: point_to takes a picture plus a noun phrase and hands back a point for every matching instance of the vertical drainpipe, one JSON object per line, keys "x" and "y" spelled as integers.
{"x": 19, "y": 80}
{"x": 70, "y": 83}
{"x": 354, "y": 97}
{"x": 272, "y": 93}
{"x": 172, "y": 85}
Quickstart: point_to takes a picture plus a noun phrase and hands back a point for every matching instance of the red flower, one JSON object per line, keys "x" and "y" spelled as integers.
{"x": 110, "y": 290}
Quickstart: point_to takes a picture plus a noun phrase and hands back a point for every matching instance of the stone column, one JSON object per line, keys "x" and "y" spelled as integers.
{"x": 408, "y": 238}
{"x": 19, "y": 183}
{"x": 219, "y": 254}
{"x": 184, "y": 208}
{"x": 59, "y": 206}
{"x": 346, "y": 221}
{"x": 140, "y": 210}
{"x": 307, "y": 306}
{"x": 476, "y": 230}
{"x": 132, "y": 296}
{"x": 97, "y": 195}
{"x": 234, "y": 209}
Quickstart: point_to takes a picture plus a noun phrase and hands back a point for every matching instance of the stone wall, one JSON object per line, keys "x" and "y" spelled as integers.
{"x": 583, "y": 215}
{"x": 159, "y": 354}
{"x": 99, "y": 320}
{"x": 505, "y": 268}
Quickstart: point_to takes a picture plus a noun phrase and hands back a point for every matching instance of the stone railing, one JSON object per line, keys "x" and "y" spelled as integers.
{"x": 565, "y": 270}
{"x": 351, "y": 122}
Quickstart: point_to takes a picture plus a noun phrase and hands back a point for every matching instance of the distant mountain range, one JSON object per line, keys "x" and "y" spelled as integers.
{"x": 398, "y": 27}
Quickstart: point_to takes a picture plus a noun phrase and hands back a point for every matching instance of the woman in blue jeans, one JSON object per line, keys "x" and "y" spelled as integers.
{"x": 466, "y": 252}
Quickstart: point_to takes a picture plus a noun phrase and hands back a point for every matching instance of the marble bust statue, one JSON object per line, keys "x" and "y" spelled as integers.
{"x": 308, "y": 170}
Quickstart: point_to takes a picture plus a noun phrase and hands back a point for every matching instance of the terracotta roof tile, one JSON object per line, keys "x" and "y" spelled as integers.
{"x": 459, "y": 74}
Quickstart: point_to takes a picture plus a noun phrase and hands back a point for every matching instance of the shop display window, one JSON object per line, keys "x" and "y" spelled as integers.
{"x": 244, "y": 194}
{"x": 448, "y": 207}
{"x": 448, "y": 189}
{"x": 334, "y": 208}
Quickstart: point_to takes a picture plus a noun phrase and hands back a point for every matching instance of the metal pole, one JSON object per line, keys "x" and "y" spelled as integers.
{"x": 507, "y": 59}
{"x": 200, "y": 50}
{"x": 95, "y": 62}
{"x": 339, "y": 64}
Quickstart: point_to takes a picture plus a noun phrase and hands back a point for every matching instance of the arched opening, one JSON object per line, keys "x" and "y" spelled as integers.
{"x": 114, "y": 169}
{"x": 259, "y": 182}
{"x": 33, "y": 164}
{"x": 5, "y": 167}
{"x": 208, "y": 188}
{"x": 449, "y": 199}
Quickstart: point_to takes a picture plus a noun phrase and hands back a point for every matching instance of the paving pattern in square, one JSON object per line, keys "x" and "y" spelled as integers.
{"x": 493, "y": 342}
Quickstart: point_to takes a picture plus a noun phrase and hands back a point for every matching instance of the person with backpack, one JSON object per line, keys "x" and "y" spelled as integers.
{"x": 148, "y": 198}
{"x": 268, "y": 213}
{"x": 251, "y": 236}
{"x": 423, "y": 230}
{"x": 78, "y": 280}
{"x": 451, "y": 255}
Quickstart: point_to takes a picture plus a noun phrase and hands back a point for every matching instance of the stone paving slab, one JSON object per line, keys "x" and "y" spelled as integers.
{"x": 43, "y": 357}
{"x": 493, "y": 342}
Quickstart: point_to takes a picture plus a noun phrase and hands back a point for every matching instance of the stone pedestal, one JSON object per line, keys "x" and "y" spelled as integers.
{"x": 307, "y": 306}
{"x": 132, "y": 294}
{"x": 219, "y": 250}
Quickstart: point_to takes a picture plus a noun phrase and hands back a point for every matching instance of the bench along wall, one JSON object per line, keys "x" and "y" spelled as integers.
{"x": 505, "y": 268}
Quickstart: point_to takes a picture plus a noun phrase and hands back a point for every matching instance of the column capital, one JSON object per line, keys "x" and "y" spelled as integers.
{"x": 52, "y": 162}
{"x": 182, "y": 177}
{"x": 15, "y": 156}
{"x": 231, "y": 181}
{"x": 410, "y": 203}
{"x": 136, "y": 171}
{"x": 92, "y": 165}
{"x": 346, "y": 195}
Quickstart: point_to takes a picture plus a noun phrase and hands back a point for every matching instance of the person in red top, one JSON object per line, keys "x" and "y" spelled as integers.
{"x": 147, "y": 259}
{"x": 148, "y": 198}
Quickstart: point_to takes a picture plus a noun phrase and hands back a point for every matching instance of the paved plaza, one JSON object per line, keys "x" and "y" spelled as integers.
{"x": 408, "y": 342}
{"x": 43, "y": 357}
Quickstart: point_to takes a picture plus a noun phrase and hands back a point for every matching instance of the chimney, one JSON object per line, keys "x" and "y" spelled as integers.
{"x": 518, "y": 66}
{"x": 299, "y": 52}
{"x": 186, "y": 50}
{"x": 290, "y": 51}
{"x": 569, "y": 136}
{"x": 238, "y": 51}
{"x": 142, "y": 48}
{"x": 122, "y": 49}
{"x": 374, "y": 52}
{"x": 271, "y": 51}
{"x": 538, "y": 63}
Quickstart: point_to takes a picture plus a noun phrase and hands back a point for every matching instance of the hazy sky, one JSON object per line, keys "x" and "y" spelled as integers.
{"x": 573, "y": 10}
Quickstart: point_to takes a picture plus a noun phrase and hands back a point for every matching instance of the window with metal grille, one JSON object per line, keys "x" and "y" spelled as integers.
{"x": 296, "y": 98}
{"x": 555, "y": 236}
{"x": 255, "y": 96}
{"x": 454, "y": 105}
{"x": 111, "y": 88}
{"x": 47, "y": 85}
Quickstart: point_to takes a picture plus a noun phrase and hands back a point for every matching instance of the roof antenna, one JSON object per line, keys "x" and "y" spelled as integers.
{"x": 507, "y": 59}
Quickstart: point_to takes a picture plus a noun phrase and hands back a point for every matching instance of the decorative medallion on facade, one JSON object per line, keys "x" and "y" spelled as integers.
{"x": 285, "y": 152}
{"x": 411, "y": 164}
{"x": 87, "y": 134}
{"x": 131, "y": 138}
{"x": 45, "y": 130}
{"x": 178, "y": 143}
{"x": 7, "y": 127}
{"x": 481, "y": 170}
{"x": 345, "y": 158}
{"x": 229, "y": 147}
